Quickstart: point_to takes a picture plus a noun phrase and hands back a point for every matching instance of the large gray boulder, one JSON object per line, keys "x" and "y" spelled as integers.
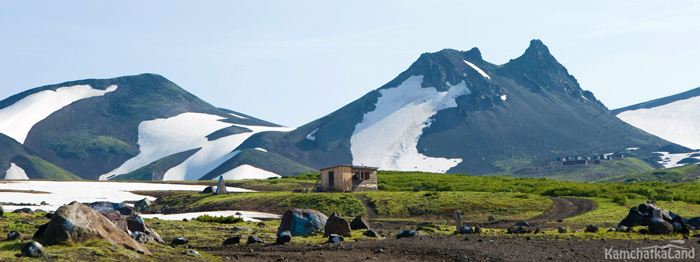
{"x": 77, "y": 223}
{"x": 127, "y": 219}
{"x": 641, "y": 215}
{"x": 337, "y": 225}
{"x": 302, "y": 222}
{"x": 660, "y": 227}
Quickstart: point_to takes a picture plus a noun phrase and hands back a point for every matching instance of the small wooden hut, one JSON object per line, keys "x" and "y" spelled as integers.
{"x": 347, "y": 178}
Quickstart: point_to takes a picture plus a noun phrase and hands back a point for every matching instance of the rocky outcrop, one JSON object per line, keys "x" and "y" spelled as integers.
{"x": 337, "y": 225}
{"x": 359, "y": 223}
{"x": 142, "y": 205}
{"x": 643, "y": 215}
{"x": 127, "y": 219}
{"x": 302, "y": 222}
{"x": 76, "y": 222}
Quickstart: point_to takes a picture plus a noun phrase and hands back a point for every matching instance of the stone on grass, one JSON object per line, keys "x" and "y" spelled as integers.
{"x": 302, "y": 222}
{"x": 660, "y": 227}
{"x": 371, "y": 233}
{"x": 193, "y": 253}
{"x": 208, "y": 190}
{"x": 337, "y": 225}
{"x": 333, "y": 238}
{"x": 466, "y": 230}
{"x": 522, "y": 224}
{"x": 562, "y": 230}
{"x": 179, "y": 241}
{"x": 491, "y": 219}
{"x": 409, "y": 233}
{"x": 13, "y": 235}
{"x": 591, "y": 229}
{"x": 254, "y": 240}
{"x": 32, "y": 249}
{"x": 127, "y": 219}
{"x": 359, "y": 223}
{"x": 77, "y": 223}
{"x": 234, "y": 240}
{"x": 284, "y": 237}
{"x": 142, "y": 205}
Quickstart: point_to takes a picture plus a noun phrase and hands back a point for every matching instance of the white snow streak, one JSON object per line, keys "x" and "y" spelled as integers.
{"x": 504, "y": 97}
{"x": 478, "y": 69}
{"x": 387, "y": 137}
{"x": 18, "y": 119}
{"x": 247, "y": 172}
{"x": 239, "y": 116}
{"x": 678, "y": 122}
{"x": 15, "y": 172}
{"x": 163, "y": 137}
{"x": 64, "y": 192}
{"x": 312, "y": 136}
{"x": 671, "y": 160}
{"x": 260, "y": 149}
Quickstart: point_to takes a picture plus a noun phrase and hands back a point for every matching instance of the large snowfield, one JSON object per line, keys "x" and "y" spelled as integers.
{"x": 246, "y": 172}
{"x": 163, "y": 137}
{"x": 18, "y": 119}
{"x": 677, "y": 122}
{"x": 388, "y": 136}
{"x": 58, "y": 193}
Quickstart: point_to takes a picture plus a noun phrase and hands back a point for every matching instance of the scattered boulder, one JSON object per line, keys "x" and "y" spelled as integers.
{"x": 179, "y": 241}
{"x": 13, "y": 235}
{"x": 25, "y": 211}
{"x": 142, "y": 205}
{"x": 478, "y": 230}
{"x": 284, "y": 237}
{"x": 254, "y": 240}
{"x": 193, "y": 253}
{"x": 76, "y": 222}
{"x": 591, "y": 229}
{"x": 660, "y": 227}
{"x": 641, "y": 215}
{"x": 359, "y": 223}
{"x": 491, "y": 219}
{"x": 466, "y": 230}
{"x": 127, "y": 219}
{"x": 562, "y": 230}
{"x": 409, "y": 233}
{"x": 234, "y": 240}
{"x": 261, "y": 224}
{"x": 208, "y": 190}
{"x": 371, "y": 233}
{"x": 302, "y": 222}
{"x": 337, "y": 225}
{"x": 518, "y": 230}
{"x": 32, "y": 249}
{"x": 333, "y": 238}
{"x": 522, "y": 224}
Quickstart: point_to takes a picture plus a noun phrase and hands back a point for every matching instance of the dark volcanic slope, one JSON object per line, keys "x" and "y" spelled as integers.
{"x": 36, "y": 168}
{"x": 526, "y": 113}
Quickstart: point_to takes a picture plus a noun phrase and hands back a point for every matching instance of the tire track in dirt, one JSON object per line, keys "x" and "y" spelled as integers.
{"x": 564, "y": 207}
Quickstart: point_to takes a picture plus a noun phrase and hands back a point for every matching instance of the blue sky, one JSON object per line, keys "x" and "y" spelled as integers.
{"x": 291, "y": 62}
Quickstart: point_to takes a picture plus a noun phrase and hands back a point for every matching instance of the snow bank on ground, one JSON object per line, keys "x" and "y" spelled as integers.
{"x": 671, "y": 160}
{"x": 247, "y": 172}
{"x": 246, "y": 215}
{"x": 64, "y": 192}
{"x": 678, "y": 122}
{"x": 260, "y": 149}
{"x": 387, "y": 137}
{"x": 478, "y": 70}
{"x": 312, "y": 136}
{"x": 18, "y": 119}
{"x": 166, "y": 136}
{"x": 15, "y": 172}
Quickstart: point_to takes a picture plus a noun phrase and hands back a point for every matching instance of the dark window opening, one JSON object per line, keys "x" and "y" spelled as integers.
{"x": 331, "y": 178}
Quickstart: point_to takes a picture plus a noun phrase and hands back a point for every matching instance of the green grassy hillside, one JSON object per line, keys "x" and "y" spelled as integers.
{"x": 688, "y": 173}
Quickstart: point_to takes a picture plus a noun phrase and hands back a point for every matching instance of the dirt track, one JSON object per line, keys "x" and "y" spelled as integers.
{"x": 564, "y": 207}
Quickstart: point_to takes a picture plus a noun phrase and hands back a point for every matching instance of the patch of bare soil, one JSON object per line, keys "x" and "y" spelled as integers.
{"x": 564, "y": 207}
{"x": 444, "y": 248}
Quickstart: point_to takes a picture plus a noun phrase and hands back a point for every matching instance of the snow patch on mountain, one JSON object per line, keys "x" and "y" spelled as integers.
{"x": 260, "y": 149}
{"x": 671, "y": 160}
{"x": 478, "y": 70}
{"x": 312, "y": 136}
{"x": 677, "y": 122}
{"x": 247, "y": 172}
{"x": 15, "y": 172}
{"x": 239, "y": 116}
{"x": 166, "y": 136}
{"x": 18, "y": 119}
{"x": 388, "y": 136}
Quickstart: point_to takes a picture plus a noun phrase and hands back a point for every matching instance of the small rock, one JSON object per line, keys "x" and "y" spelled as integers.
{"x": 284, "y": 237}
{"x": 333, "y": 238}
{"x": 193, "y": 253}
{"x": 379, "y": 251}
{"x": 179, "y": 241}
{"x": 32, "y": 249}
{"x": 563, "y": 230}
{"x": 537, "y": 230}
{"x": 43, "y": 203}
{"x": 359, "y": 223}
{"x": 478, "y": 230}
{"x": 560, "y": 220}
{"x": 254, "y": 240}
{"x": 591, "y": 229}
{"x": 13, "y": 235}
{"x": 234, "y": 240}
{"x": 491, "y": 219}
{"x": 371, "y": 233}
{"x": 466, "y": 230}
{"x": 466, "y": 238}
{"x": 185, "y": 220}
{"x": 522, "y": 224}
{"x": 262, "y": 224}
{"x": 208, "y": 190}
{"x": 643, "y": 231}
{"x": 406, "y": 233}
{"x": 528, "y": 238}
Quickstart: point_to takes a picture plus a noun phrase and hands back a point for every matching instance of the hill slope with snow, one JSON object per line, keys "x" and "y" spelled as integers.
{"x": 105, "y": 128}
{"x": 453, "y": 112}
